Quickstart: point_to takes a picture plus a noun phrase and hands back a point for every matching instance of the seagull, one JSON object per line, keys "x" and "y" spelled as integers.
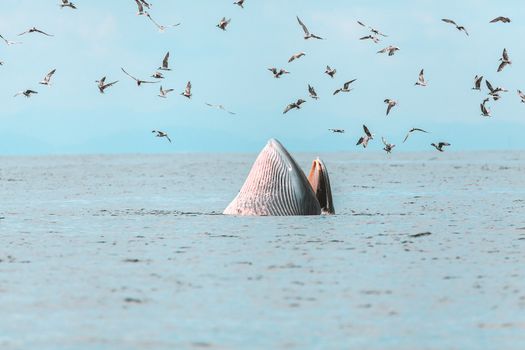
{"x": 67, "y": 3}
{"x": 390, "y": 49}
{"x": 240, "y": 3}
{"x": 223, "y": 23}
{"x": 421, "y": 79}
{"x": 374, "y": 31}
{"x": 363, "y": 140}
{"x": 501, "y": 19}
{"x": 161, "y": 134}
{"x": 157, "y": 75}
{"x": 293, "y": 105}
{"x": 494, "y": 92}
{"x": 331, "y": 72}
{"x": 187, "y": 91}
{"x": 47, "y": 78}
{"x": 337, "y": 131}
{"x": 312, "y": 92}
{"x": 440, "y": 145}
{"x": 221, "y": 107}
{"x": 460, "y": 28}
{"x": 307, "y": 34}
{"x": 9, "y": 42}
{"x": 504, "y": 60}
{"x": 375, "y": 39}
{"x": 139, "y": 81}
{"x": 277, "y": 73}
{"x": 165, "y": 62}
{"x": 345, "y": 88}
{"x": 477, "y": 82}
{"x": 102, "y": 84}
{"x": 296, "y": 56}
{"x": 164, "y": 93}
{"x": 26, "y": 93}
{"x": 522, "y": 96}
{"x": 391, "y": 103}
{"x": 485, "y": 112}
{"x": 34, "y": 30}
{"x": 413, "y": 130}
{"x": 388, "y": 146}
{"x": 161, "y": 27}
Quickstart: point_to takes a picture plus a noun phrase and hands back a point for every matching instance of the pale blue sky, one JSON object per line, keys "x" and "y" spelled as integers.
{"x": 230, "y": 68}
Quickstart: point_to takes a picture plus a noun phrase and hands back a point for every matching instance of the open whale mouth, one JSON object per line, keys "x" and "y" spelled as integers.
{"x": 276, "y": 186}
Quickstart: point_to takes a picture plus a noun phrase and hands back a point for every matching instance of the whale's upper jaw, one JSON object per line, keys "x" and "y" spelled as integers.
{"x": 275, "y": 186}
{"x": 320, "y": 182}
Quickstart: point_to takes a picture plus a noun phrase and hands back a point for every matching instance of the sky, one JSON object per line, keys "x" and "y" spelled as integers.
{"x": 230, "y": 68}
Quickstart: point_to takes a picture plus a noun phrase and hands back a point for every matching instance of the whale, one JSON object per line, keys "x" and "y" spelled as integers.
{"x": 276, "y": 186}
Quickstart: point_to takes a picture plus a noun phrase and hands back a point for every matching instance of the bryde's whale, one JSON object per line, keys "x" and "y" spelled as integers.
{"x": 276, "y": 186}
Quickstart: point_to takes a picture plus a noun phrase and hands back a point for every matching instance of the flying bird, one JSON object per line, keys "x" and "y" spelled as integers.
{"x": 501, "y": 19}
{"x": 331, "y": 72}
{"x": 460, "y": 28}
{"x": 296, "y": 56}
{"x": 34, "y": 30}
{"x": 161, "y": 28}
{"x": 139, "y": 81}
{"x": 477, "y": 82}
{"x": 504, "y": 60}
{"x": 67, "y": 3}
{"x": 494, "y": 92}
{"x": 388, "y": 146}
{"x": 278, "y": 73}
{"x": 26, "y": 93}
{"x": 9, "y": 42}
{"x": 373, "y": 30}
{"x": 345, "y": 88}
{"x": 296, "y": 105}
{"x": 391, "y": 103}
{"x": 240, "y": 3}
{"x": 102, "y": 84}
{"x": 307, "y": 34}
{"x": 337, "y": 131}
{"x": 390, "y": 49}
{"x": 164, "y": 93}
{"x": 161, "y": 134}
{"x": 363, "y": 140}
{"x": 47, "y": 78}
{"x": 485, "y": 112}
{"x": 223, "y": 23}
{"x": 187, "y": 91}
{"x": 312, "y": 92}
{"x": 440, "y": 146}
{"x": 375, "y": 39}
{"x": 421, "y": 79}
{"x": 221, "y": 107}
{"x": 522, "y": 96}
{"x": 165, "y": 62}
{"x": 413, "y": 130}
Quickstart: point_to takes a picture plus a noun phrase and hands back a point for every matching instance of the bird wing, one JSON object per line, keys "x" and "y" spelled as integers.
{"x": 446, "y": 20}
{"x": 31, "y": 92}
{"x": 521, "y": 94}
{"x": 361, "y": 24}
{"x": 441, "y": 144}
{"x": 139, "y": 5}
{"x": 336, "y": 92}
{"x": 288, "y": 108}
{"x": 129, "y": 75}
{"x": 188, "y": 88}
{"x": 50, "y": 74}
{"x": 303, "y": 26}
{"x": 406, "y": 137}
{"x": 110, "y": 84}
{"x": 501, "y": 66}
{"x": 360, "y": 141}
{"x": 389, "y": 108}
{"x": 27, "y": 31}
{"x": 384, "y": 50}
{"x": 347, "y": 84}
{"x": 367, "y": 132}
{"x": 422, "y": 76}
{"x": 505, "y": 55}
{"x": 384, "y": 141}
{"x": 418, "y": 129}
{"x": 489, "y": 86}
{"x": 316, "y": 36}
{"x": 42, "y": 32}
{"x": 165, "y": 61}
{"x": 154, "y": 22}
{"x": 463, "y": 29}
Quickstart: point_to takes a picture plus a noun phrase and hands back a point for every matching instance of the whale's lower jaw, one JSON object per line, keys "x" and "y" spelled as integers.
{"x": 276, "y": 186}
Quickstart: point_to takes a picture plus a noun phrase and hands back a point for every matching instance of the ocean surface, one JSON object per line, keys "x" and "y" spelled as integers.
{"x": 427, "y": 251}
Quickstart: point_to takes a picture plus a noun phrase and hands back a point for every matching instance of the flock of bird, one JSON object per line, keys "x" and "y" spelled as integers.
{"x": 374, "y": 35}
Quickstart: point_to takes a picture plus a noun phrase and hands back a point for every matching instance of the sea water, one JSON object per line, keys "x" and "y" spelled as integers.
{"x": 427, "y": 251}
